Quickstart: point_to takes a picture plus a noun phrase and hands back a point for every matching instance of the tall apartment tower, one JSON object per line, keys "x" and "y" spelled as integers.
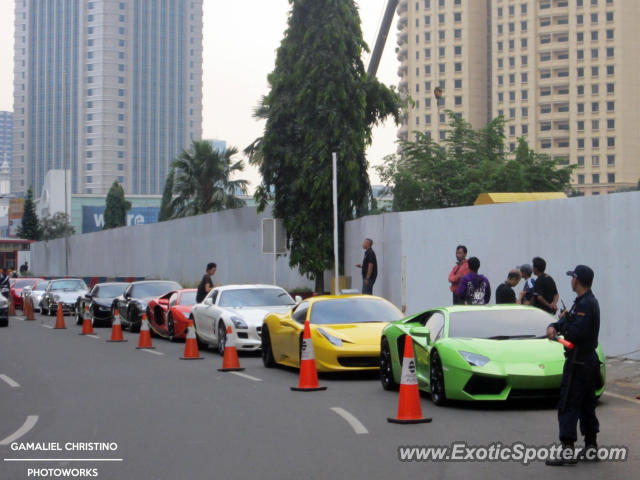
{"x": 110, "y": 89}
{"x": 564, "y": 73}
{"x": 6, "y": 138}
{"x": 443, "y": 44}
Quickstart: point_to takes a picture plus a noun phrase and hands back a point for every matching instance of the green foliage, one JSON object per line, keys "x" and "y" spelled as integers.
{"x": 321, "y": 101}
{"x": 54, "y": 226}
{"x": 167, "y": 196}
{"x": 469, "y": 162}
{"x": 203, "y": 183}
{"x": 115, "y": 212}
{"x": 30, "y": 226}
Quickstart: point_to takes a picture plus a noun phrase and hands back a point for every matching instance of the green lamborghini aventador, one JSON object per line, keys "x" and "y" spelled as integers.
{"x": 493, "y": 352}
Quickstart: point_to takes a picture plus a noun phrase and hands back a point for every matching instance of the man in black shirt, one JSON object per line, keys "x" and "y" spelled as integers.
{"x": 545, "y": 294}
{"x": 206, "y": 284}
{"x": 369, "y": 267}
{"x": 581, "y": 373}
{"x": 505, "y": 292}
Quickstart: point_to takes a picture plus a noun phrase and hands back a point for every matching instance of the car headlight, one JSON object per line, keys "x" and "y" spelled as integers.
{"x": 474, "y": 359}
{"x": 3, "y": 302}
{"x": 333, "y": 340}
{"x": 238, "y": 322}
{"x": 56, "y": 298}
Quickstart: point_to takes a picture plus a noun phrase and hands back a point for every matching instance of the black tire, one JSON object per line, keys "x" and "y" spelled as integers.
{"x": 386, "y": 367}
{"x": 436, "y": 380}
{"x": 171, "y": 328}
{"x": 49, "y": 311}
{"x": 79, "y": 318}
{"x": 222, "y": 338}
{"x": 201, "y": 345}
{"x": 267, "y": 353}
{"x": 133, "y": 328}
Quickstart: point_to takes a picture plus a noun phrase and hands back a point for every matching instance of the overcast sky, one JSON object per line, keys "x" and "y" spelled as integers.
{"x": 240, "y": 41}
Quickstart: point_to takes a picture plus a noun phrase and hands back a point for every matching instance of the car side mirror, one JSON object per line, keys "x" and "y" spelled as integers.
{"x": 298, "y": 299}
{"x": 421, "y": 333}
{"x": 89, "y": 295}
{"x": 208, "y": 301}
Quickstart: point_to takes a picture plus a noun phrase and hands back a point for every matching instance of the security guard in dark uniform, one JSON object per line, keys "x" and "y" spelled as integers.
{"x": 581, "y": 373}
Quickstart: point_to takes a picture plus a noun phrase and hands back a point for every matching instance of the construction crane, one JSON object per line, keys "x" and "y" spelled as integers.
{"x": 374, "y": 62}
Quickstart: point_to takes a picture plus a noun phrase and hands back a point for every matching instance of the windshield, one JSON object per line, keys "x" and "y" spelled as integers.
{"x": 68, "y": 285}
{"x": 110, "y": 291}
{"x": 154, "y": 289}
{"x": 23, "y": 283}
{"x": 188, "y": 298}
{"x": 499, "y": 324}
{"x": 255, "y": 297}
{"x": 42, "y": 285}
{"x": 353, "y": 310}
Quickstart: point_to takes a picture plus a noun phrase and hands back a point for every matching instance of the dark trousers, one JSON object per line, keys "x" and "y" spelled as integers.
{"x": 457, "y": 300}
{"x": 368, "y": 288}
{"x": 581, "y": 402}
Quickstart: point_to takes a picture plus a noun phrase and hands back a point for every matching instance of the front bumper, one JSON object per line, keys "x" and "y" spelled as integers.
{"x": 248, "y": 339}
{"x": 348, "y": 357}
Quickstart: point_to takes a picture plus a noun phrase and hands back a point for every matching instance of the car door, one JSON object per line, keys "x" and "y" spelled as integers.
{"x": 123, "y": 304}
{"x": 435, "y": 324}
{"x": 203, "y": 316}
{"x": 288, "y": 333}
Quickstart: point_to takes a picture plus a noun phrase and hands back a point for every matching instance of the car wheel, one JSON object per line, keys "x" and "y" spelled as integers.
{"x": 267, "y": 354}
{"x": 436, "y": 380}
{"x": 133, "y": 328}
{"x": 49, "y": 310}
{"x": 171, "y": 328}
{"x": 201, "y": 345}
{"x": 79, "y": 319}
{"x": 386, "y": 367}
{"x": 222, "y": 338}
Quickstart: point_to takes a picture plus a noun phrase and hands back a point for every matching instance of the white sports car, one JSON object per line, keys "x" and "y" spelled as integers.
{"x": 241, "y": 307}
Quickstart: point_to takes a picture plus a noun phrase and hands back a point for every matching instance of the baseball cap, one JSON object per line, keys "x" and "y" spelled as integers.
{"x": 583, "y": 273}
{"x": 526, "y": 268}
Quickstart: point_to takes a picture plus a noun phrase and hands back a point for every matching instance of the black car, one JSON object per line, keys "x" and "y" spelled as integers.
{"x": 133, "y": 302}
{"x": 98, "y": 302}
{"x": 4, "y": 311}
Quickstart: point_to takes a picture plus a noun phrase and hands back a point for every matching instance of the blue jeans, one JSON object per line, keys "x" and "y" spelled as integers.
{"x": 367, "y": 288}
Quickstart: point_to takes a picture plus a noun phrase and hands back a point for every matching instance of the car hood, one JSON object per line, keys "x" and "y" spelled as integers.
{"x": 255, "y": 315}
{"x": 104, "y": 302}
{"x": 359, "y": 333}
{"x": 534, "y": 350}
{"x": 69, "y": 297}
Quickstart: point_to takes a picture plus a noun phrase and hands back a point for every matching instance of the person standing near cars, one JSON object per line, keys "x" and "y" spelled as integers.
{"x": 525, "y": 295}
{"x": 369, "y": 267}
{"x": 545, "y": 294}
{"x": 5, "y": 283}
{"x": 459, "y": 270}
{"x": 505, "y": 292}
{"x": 580, "y": 375}
{"x": 206, "y": 284}
{"x": 474, "y": 288}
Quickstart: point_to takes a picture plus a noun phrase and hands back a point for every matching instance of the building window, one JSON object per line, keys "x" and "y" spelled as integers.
{"x": 580, "y": 54}
{"x": 610, "y": 70}
{"x": 611, "y": 177}
{"x": 580, "y": 161}
{"x": 595, "y": 161}
{"x": 580, "y": 89}
{"x": 594, "y": 71}
{"x": 594, "y": 36}
{"x": 609, "y": 16}
{"x": 457, "y": 33}
{"x": 458, "y": 100}
{"x": 525, "y": 129}
{"x": 457, "y": 50}
{"x": 611, "y": 142}
{"x": 580, "y": 125}
{"x": 610, "y": 52}
{"x": 595, "y": 142}
{"x": 611, "y": 160}
{"x": 611, "y": 106}
{"x": 580, "y": 37}
{"x": 594, "y": 89}
{"x": 594, "y": 53}
{"x": 580, "y": 72}
{"x": 611, "y": 124}
{"x": 595, "y": 124}
{"x": 457, "y": 83}
{"x": 594, "y": 18}
{"x": 580, "y": 179}
{"x": 580, "y": 107}
{"x": 89, "y": 166}
{"x": 610, "y": 34}
{"x": 595, "y": 178}
{"x": 581, "y": 143}
{"x": 89, "y": 179}
{"x": 457, "y": 66}
{"x": 525, "y": 111}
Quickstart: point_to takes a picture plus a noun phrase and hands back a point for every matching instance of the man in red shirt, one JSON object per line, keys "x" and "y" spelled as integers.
{"x": 459, "y": 270}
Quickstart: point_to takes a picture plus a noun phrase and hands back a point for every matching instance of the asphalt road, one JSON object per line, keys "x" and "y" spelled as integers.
{"x": 172, "y": 418}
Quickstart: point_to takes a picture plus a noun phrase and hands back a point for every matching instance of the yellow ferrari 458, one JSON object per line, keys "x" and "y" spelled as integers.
{"x": 345, "y": 331}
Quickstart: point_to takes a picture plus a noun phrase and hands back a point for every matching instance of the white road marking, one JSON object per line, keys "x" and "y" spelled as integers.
{"x": 92, "y": 336}
{"x": 151, "y": 351}
{"x": 48, "y": 326}
{"x": 249, "y": 377}
{"x": 11, "y": 382}
{"x": 63, "y": 460}
{"x": 357, "y": 426}
{"x": 29, "y": 423}
{"x": 622, "y": 397}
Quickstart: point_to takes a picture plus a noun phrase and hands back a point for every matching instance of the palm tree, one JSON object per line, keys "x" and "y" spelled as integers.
{"x": 203, "y": 183}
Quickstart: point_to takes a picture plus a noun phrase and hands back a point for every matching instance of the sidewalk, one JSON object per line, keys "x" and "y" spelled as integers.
{"x": 623, "y": 376}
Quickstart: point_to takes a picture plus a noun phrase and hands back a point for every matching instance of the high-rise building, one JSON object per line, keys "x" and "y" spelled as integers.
{"x": 563, "y": 74}
{"x": 6, "y": 138}
{"x": 110, "y": 89}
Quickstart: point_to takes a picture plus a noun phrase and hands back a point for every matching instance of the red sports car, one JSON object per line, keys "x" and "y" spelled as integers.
{"x": 169, "y": 314}
{"x": 17, "y": 284}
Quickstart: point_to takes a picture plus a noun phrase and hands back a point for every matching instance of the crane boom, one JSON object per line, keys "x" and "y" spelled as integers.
{"x": 374, "y": 62}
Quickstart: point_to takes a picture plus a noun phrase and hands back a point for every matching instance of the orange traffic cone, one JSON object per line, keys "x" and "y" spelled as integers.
{"x": 27, "y": 308}
{"x": 230, "y": 362}
{"x": 87, "y": 324}
{"x": 116, "y": 329}
{"x": 144, "y": 342}
{"x": 12, "y": 306}
{"x": 191, "y": 345}
{"x": 60, "y": 317}
{"x": 308, "y": 374}
{"x": 409, "y": 410}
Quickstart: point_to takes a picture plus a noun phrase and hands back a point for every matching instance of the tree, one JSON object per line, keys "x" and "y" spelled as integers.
{"x": 54, "y": 226}
{"x": 167, "y": 197}
{"x": 30, "y": 226}
{"x": 320, "y": 101}
{"x": 115, "y": 212}
{"x": 468, "y": 162}
{"x": 203, "y": 180}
